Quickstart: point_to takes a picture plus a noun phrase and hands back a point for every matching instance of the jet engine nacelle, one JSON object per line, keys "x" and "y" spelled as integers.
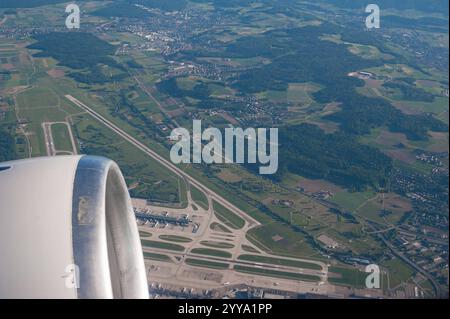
{"x": 67, "y": 230}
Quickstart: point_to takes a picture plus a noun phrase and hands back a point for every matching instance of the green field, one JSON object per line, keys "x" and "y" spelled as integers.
{"x": 279, "y": 261}
{"x": 61, "y": 137}
{"x": 199, "y": 198}
{"x": 348, "y": 277}
{"x": 186, "y": 83}
{"x": 228, "y": 218}
{"x": 206, "y": 263}
{"x": 249, "y": 249}
{"x": 37, "y": 97}
{"x": 211, "y": 252}
{"x": 158, "y": 257}
{"x": 144, "y": 234}
{"x": 8, "y": 53}
{"x": 178, "y": 239}
{"x": 351, "y": 201}
{"x": 182, "y": 190}
{"x": 281, "y": 240}
{"x": 275, "y": 273}
{"x": 216, "y": 244}
{"x": 219, "y": 227}
{"x": 438, "y": 106}
{"x": 365, "y": 51}
{"x": 300, "y": 93}
{"x": 398, "y": 272}
{"x": 40, "y": 104}
{"x": 152, "y": 181}
{"x": 161, "y": 245}
{"x": 351, "y": 277}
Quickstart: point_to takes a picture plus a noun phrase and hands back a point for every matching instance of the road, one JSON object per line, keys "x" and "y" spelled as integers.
{"x": 49, "y": 143}
{"x": 166, "y": 163}
{"x": 150, "y": 95}
{"x": 434, "y": 283}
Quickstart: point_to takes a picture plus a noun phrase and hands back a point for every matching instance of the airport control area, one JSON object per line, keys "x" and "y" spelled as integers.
{"x": 202, "y": 252}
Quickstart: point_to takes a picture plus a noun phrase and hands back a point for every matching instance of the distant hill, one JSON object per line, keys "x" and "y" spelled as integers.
{"x": 30, "y": 3}
{"x": 128, "y": 8}
{"x": 88, "y": 51}
{"x": 122, "y": 10}
{"x": 165, "y": 5}
{"x": 440, "y": 6}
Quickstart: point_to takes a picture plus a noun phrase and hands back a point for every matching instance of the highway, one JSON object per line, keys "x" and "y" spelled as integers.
{"x": 434, "y": 283}
{"x": 208, "y": 192}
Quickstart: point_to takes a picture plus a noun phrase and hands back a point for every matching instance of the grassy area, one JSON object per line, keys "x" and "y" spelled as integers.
{"x": 37, "y": 98}
{"x": 144, "y": 234}
{"x": 161, "y": 245}
{"x": 186, "y": 83}
{"x": 300, "y": 93}
{"x": 158, "y": 257}
{"x": 438, "y": 106}
{"x": 275, "y": 273}
{"x": 351, "y": 277}
{"x": 45, "y": 102}
{"x": 41, "y": 104}
{"x": 199, "y": 198}
{"x": 61, "y": 137}
{"x": 249, "y": 249}
{"x": 211, "y": 252}
{"x": 182, "y": 190}
{"x": 178, "y": 239}
{"x": 216, "y": 244}
{"x": 228, "y": 218}
{"x": 206, "y": 263}
{"x": 281, "y": 262}
{"x": 150, "y": 179}
{"x": 347, "y": 277}
{"x": 219, "y": 227}
{"x": 351, "y": 201}
{"x": 365, "y": 51}
{"x": 398, "y": 272}
{"x": 281, "y": 240}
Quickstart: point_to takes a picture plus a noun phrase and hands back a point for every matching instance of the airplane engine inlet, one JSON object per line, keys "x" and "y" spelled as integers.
{"x": 67, "y": 230}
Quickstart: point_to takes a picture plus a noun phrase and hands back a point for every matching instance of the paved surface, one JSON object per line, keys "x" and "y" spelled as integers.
{"x": 210, "y": 193}
{"x": 178, "y": 272}
{"x": 49, "y": 142}
{"x": 178, "y": 275}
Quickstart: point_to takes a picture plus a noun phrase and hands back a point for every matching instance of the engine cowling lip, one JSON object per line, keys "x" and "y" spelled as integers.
{"x": 89, "y": 235}
{"x": 89, "y": 229}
